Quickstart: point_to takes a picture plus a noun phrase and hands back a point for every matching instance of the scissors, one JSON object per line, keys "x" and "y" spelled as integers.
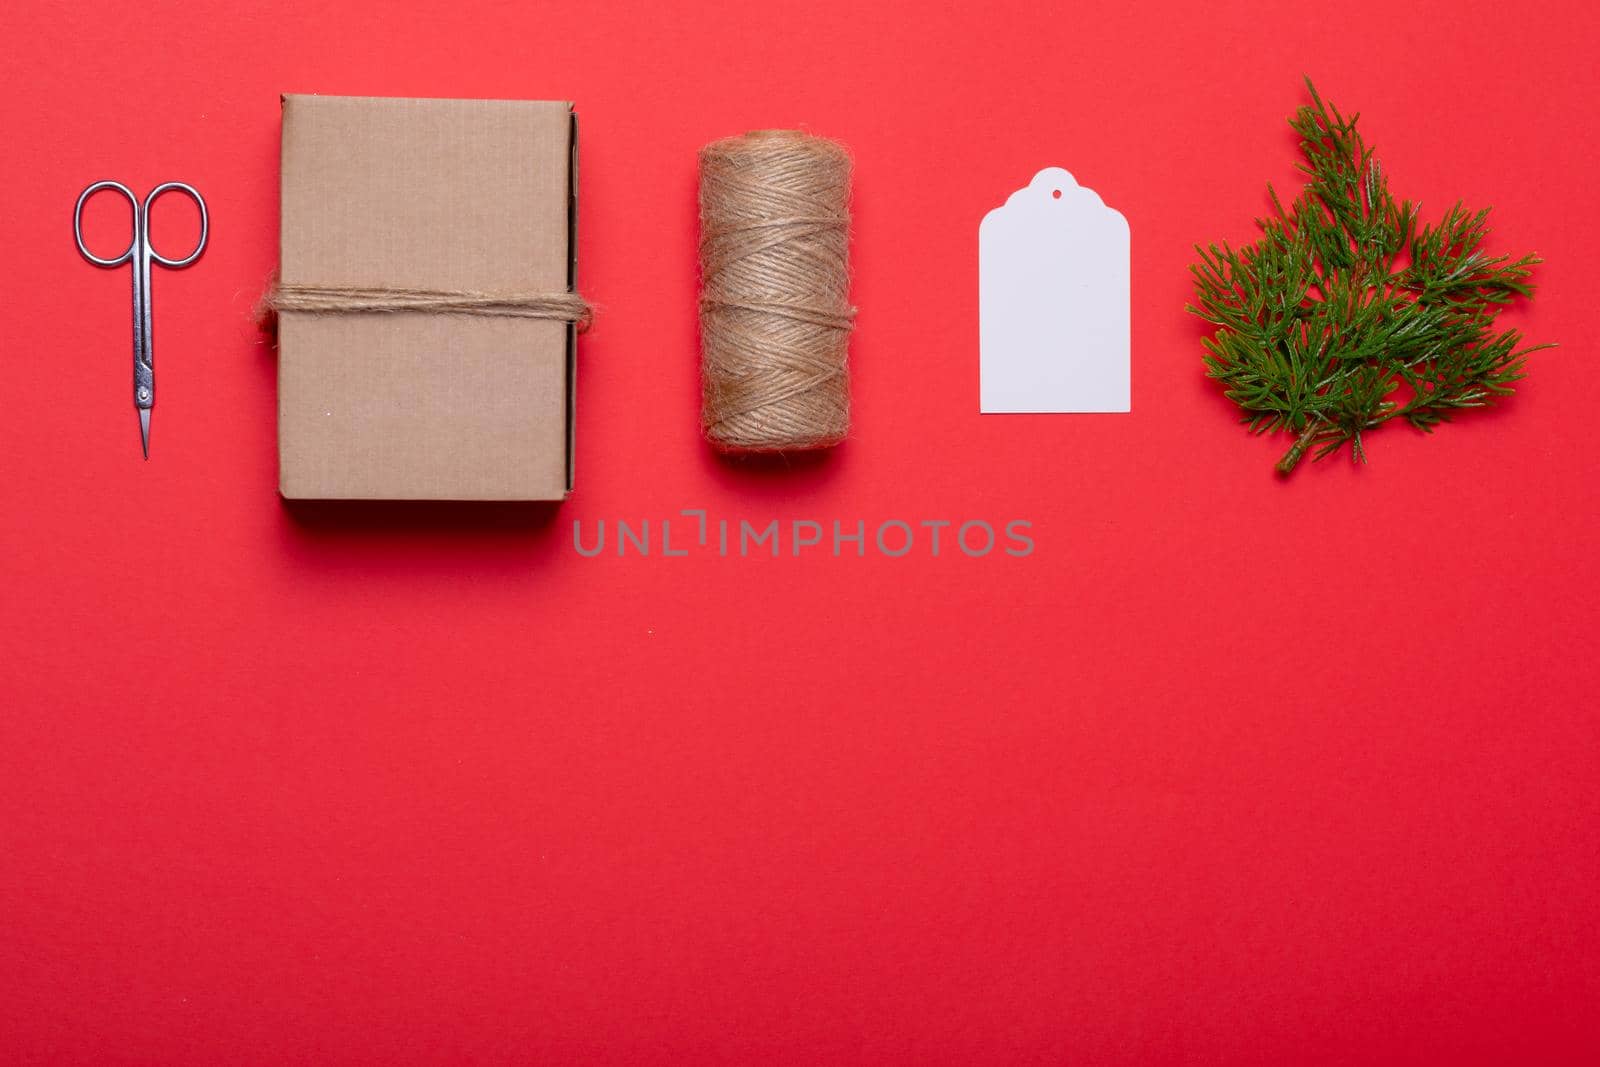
{"x": 141, "y": 255}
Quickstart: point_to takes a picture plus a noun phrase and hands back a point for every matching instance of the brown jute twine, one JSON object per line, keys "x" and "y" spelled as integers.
{"x": 775, "y": 312}
{"x": 332, "y": 299}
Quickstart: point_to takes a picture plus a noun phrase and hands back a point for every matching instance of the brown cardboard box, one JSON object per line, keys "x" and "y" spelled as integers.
{"x": 426, "y": 194}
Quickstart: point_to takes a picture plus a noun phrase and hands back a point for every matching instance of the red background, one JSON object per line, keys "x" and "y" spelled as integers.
{"x": 1228, "y": 770}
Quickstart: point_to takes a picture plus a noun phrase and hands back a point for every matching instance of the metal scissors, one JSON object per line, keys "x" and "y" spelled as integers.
{"x": 141, "y": 255}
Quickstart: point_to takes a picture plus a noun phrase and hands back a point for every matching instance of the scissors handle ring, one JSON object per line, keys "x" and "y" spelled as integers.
{"x": 205, "y": 223}
{"x": 77, "y": 224}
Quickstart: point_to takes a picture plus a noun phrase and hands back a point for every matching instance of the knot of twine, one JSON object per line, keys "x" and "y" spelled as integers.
{"x": 775, "y": 314}
{"x": 340, "y": 299}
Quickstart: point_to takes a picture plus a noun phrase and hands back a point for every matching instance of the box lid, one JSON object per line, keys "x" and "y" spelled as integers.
{"x": 425, "y": 194}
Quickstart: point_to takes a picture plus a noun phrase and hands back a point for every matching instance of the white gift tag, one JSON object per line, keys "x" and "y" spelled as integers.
{"x": 1053, "y": 301}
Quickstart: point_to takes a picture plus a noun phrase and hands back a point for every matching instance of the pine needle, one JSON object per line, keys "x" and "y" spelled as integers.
{"x": 1348, "y": 312}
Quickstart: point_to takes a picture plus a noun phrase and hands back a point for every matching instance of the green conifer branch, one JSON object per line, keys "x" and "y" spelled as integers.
{"x": 1349, "y": 312}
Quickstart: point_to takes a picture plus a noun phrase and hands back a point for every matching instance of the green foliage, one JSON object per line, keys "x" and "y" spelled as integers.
{"x": 1348, "y": 313}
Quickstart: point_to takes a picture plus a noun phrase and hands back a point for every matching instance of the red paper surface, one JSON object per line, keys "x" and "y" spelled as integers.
{"x": 1227, "y": 769}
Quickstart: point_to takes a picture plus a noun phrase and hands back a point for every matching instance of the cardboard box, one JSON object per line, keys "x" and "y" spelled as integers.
{"x": 426, "y": 194}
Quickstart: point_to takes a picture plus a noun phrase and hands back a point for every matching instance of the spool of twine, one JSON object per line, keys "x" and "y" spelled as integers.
{"x": 775, "y": 312}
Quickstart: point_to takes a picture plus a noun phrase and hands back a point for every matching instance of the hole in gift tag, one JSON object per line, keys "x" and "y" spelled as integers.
{"x": 1056, "y": 193}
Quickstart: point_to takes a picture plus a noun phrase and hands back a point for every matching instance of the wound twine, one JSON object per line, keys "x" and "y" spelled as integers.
{"x": 775, "y": 314}
{"x": 328, "y": 299}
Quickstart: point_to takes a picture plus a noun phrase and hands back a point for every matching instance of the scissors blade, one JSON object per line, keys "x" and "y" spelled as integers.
{"x": 144, "y": 430}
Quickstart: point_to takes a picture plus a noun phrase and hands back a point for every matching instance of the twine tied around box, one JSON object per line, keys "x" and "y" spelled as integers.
{"x": 339, "y": 299}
